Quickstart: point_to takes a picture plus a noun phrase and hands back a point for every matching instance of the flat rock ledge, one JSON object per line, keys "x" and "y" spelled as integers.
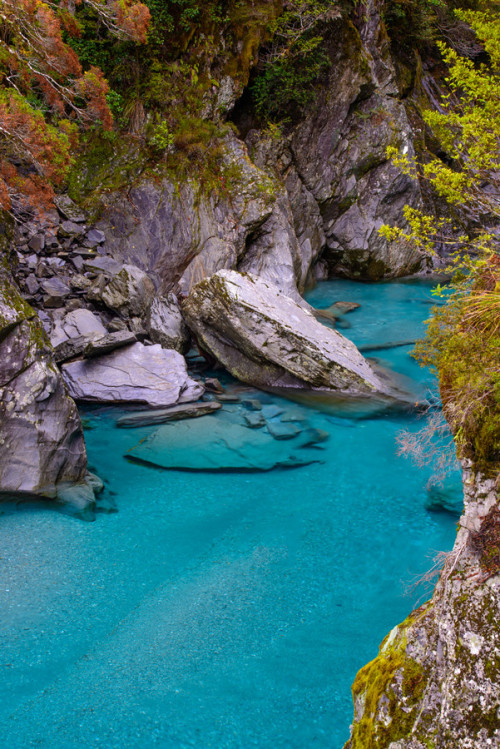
{"x": 137, "y": 373}
{"x": 266, "y": 339}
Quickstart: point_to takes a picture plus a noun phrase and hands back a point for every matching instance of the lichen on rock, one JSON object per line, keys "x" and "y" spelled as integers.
{"x": 436, "y": 681}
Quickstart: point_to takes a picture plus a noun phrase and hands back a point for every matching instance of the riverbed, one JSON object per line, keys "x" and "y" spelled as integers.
{"x": 224, "y": 610}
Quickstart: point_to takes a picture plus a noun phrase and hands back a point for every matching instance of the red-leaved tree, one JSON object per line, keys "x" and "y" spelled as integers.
{"x": 44, "y": 95}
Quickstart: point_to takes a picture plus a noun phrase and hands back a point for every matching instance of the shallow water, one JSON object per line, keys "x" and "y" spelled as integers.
{"x": 219, "y": 610}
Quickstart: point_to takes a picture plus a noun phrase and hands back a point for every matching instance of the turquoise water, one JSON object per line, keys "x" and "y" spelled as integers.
{"x": 219, "y": 610}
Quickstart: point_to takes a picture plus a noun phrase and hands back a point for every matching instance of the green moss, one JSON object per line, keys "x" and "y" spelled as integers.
{"x": 388, "y": 691}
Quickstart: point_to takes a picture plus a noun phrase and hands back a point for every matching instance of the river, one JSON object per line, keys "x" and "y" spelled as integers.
{"x": 224, "y": 610}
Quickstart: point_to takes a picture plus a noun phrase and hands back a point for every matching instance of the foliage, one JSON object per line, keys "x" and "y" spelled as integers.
{"x": 420, "y": 23}
{"x": 294, "y": 61}
{"x": 463, "y": 336}
{"x": 161, "y": 138}
{"x": 44, "y": 92}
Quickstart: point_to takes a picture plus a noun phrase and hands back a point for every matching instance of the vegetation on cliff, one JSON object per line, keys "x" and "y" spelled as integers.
{"x": 164, "y": 71}
{"x": 45, "y": 95}
{"x": 463, "y": 339}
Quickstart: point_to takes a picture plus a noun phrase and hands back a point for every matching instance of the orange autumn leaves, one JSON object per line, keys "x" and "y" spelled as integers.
{"x": 44, "y": 95}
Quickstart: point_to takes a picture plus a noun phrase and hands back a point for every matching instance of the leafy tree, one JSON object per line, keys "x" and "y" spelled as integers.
{"x": 294, "y": 59}
{"x": 44, "y": 93}
{"x": 463, "y": 338}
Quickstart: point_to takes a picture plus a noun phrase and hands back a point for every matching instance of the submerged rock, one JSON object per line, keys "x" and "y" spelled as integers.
{"x": 216, "y": 444}
{"x": 447, "y": 498}
{"x": 41, "y": 438}
{"x": 266, "y": 339}
{"x": 162, "y": 415}
{"x": 137, "y": 373}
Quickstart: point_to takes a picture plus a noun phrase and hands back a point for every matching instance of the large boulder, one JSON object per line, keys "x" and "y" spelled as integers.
{"x": 137, "y": 373}
{"x": 266, "y": 339}
{"x": 41, "y": 438}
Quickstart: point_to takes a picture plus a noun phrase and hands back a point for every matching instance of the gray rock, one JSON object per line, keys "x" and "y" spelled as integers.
{"x": 162, "y": 415}
{"x": 266, "y": 339}
{"x": 214, "y": 255}
{"x": 32, "y": 284}
{"x": 70, "y": 229}
{"x": 213, "y": 385}
{"x": 271, "y": 410}
{"x": 77, "y": 323}
{"x": 183, "y": 233}
{"x": 95, "y": 236}
{"x": 77, "y": 262}
{"x": 81, "y": 282}
{"x": 71, "y": 348}
{"x": 109, "y": 342}
{"x": 449, "y": 646}
{"x": 447, "y": 498}
{"x": 42, "y": 447}
{"x": 227, "y": 398}
{"x": 55, "y": 291}
{"x": 165, "y": 324}
{"x": 78, "y": 499}
{"x": 137, "y": 373}
{"x": 215, "y": 444}
{"x": 344, "y": 307}
{"x": 129, "y": 292}
{"x": 103, "y": 263}
{"x": 274, "y": 253}
{"x": 37, "y": 243}
{"x": 69, "y": 210}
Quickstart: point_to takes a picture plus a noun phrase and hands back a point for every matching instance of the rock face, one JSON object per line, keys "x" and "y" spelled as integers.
{"x": 42, "y": 447}
{"x": 137, "y": 373}
{"x": 266, "y": 339}
{"x": 436, "y": 679}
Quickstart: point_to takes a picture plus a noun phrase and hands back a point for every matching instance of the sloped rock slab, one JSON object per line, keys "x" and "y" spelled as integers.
{"x": 266, "y": 339}
{"x": 162, "y": 415}
{"x": 137, "y": 373}
{"x": 217, "y": 445}
{"x": 110, "y": 342}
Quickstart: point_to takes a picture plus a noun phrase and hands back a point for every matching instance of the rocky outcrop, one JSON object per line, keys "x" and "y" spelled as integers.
{"x": 42, "y": 446}
{"x": 435, "y": 682}
{"x": 137, "y": 373}
{"x": 266, "y": 339}
{"x": 340, "y": 184}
